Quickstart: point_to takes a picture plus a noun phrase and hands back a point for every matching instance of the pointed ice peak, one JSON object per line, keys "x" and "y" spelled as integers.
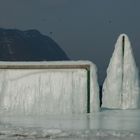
{"x": 121, "y": 87}
{"x": 123, "y": 35}
{"x": 123, "y": 40}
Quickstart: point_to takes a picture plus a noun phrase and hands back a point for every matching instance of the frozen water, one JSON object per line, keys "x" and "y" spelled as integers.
{"x": 121, "y": 86}
{"x": 38, "y": 125}
{"x": 30, "y": 99}
{"x": 47, "y": 91}
{"x": 104, "y": 125}
{"x": 43, "y": 91}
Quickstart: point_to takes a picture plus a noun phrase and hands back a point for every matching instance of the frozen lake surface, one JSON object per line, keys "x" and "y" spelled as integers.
{"x": 104, "y": 125}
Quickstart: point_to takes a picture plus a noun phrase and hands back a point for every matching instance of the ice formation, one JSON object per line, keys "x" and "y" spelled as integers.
{"x": 121, "y": 86}
{"x": 30, "y": 90}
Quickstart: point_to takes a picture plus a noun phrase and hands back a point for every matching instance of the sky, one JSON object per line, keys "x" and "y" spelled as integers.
{"x": 85, "y": 29}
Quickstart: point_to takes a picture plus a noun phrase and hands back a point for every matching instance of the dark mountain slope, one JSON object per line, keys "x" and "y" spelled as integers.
{"x": 30, "y": 45}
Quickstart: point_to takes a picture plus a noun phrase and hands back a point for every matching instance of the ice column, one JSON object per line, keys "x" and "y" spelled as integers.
{"x": 121, "y": 86}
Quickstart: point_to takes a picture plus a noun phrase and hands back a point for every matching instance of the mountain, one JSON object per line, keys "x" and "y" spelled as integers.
{"x": 30, "y": 45}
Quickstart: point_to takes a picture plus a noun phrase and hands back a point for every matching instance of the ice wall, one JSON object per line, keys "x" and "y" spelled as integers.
{"x": 43, "y": 91}
{"x": 121, "y": 86}
{"x": 47, "y": 91}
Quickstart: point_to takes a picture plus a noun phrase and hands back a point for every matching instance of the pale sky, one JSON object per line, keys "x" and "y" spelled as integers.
{"x": 85, "y": 29}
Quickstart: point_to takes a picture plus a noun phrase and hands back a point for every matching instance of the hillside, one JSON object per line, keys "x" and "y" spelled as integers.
{"x": 30, "y": 45}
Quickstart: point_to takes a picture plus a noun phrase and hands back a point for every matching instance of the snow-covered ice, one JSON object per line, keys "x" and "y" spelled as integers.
{"x": 121, "y": 87}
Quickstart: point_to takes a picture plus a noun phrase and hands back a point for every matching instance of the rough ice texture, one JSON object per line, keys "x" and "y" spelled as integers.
{"x": 104, "y": 125}
{"x": 34, "y": 90}
{"x": 121, "y": 86}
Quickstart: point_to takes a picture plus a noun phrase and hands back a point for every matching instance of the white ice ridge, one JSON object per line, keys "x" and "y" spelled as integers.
{"x": 48, "y": 87}
{"x": 121, "y": 86}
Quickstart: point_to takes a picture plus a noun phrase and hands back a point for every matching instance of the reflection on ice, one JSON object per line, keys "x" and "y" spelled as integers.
{"x": 107, "y": 124}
